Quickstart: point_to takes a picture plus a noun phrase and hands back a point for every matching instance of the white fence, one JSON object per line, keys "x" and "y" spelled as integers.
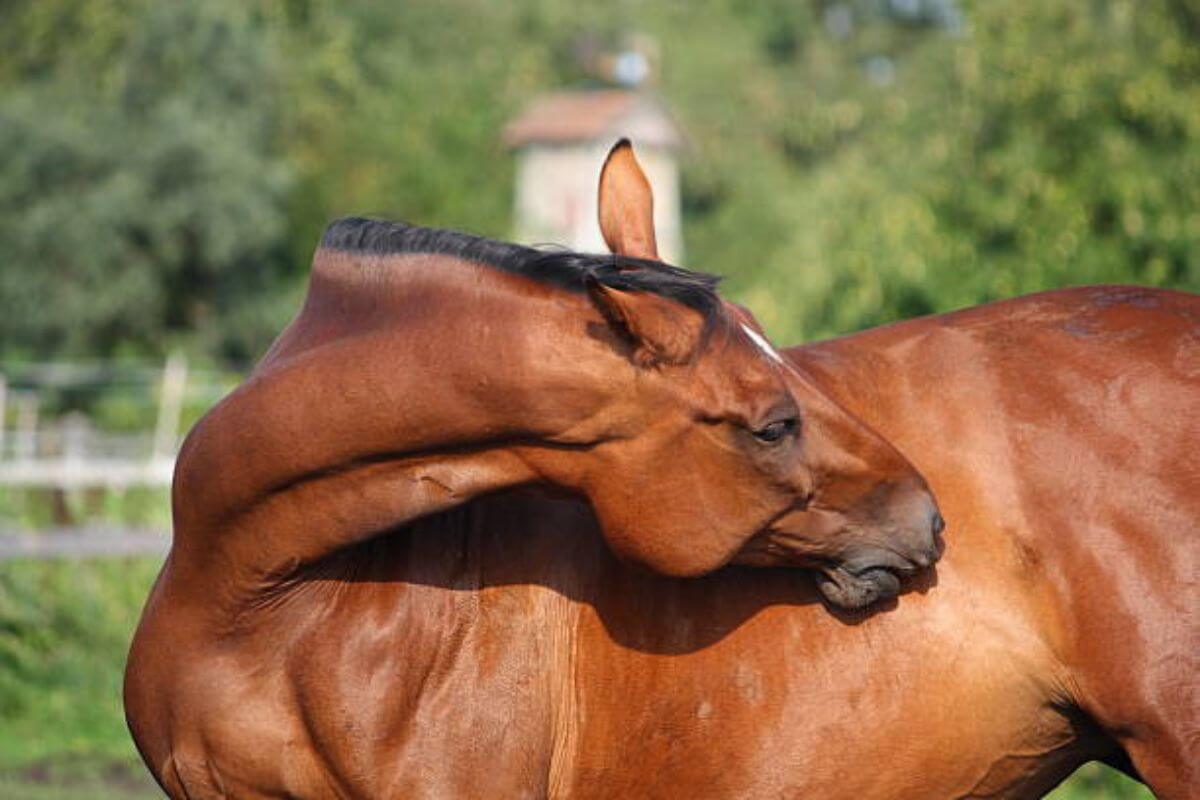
{"x": 84, "y": 542}
{"x": 70, "y": 452}
{"x": 45, "y": 447}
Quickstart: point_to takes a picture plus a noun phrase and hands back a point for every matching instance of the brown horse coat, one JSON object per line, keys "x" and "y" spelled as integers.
{"x": 499, "y": 649}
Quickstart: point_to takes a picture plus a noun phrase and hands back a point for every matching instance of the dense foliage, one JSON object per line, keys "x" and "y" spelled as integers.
{"x": 141, "y": 190}
{"x": 165, "y": 169}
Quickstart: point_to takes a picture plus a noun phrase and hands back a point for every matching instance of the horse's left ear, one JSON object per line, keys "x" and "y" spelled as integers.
{"x": 626, "y": 205}
{"x": 661, "y": 331}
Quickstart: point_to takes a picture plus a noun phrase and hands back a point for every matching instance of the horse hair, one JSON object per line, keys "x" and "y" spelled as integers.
{"x": 553, "y": 265}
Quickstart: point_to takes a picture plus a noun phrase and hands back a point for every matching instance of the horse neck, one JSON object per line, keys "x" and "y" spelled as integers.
{"x": 405, "y": 386}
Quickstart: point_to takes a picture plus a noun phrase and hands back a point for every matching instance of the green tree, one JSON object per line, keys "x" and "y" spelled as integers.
{"x": 165, "y": 171}
{"x": 142, "y": 198}
{"x": 901, "y": 165}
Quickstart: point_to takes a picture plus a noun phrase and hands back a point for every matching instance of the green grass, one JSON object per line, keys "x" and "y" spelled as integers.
{"x": 31, "y": 509}
{"x": 64, "y": 631}
{"x": 79, "y": 780}
{"x": 1097, "y": 782}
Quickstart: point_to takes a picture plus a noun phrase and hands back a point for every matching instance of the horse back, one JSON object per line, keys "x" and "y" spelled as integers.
{"x": 1059, "y": 433}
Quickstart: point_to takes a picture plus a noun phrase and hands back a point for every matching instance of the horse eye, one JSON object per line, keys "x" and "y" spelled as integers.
{"x": 776, "y": 431}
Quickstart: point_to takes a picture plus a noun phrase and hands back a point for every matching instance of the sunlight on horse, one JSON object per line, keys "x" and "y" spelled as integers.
{"x": 490, "y": 521}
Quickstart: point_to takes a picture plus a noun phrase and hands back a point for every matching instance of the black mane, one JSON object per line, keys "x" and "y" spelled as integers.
{"x": 560, "y": 267}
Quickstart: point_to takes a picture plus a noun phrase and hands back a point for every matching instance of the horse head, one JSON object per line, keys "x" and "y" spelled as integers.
{"x": 428, "y": 367}
{"x": 712, "y": 448}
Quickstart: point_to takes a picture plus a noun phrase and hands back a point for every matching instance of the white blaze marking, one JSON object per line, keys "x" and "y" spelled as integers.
{"x": 762, "y": 343}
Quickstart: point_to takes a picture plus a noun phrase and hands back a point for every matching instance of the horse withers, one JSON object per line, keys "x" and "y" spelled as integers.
{"x": 430, "y": 368}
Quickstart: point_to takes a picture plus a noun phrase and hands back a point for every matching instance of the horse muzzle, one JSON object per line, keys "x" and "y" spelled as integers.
{"x": 870, "y": 574}
{"x": 854, "y": 588}
{"x": 857, "y": 563}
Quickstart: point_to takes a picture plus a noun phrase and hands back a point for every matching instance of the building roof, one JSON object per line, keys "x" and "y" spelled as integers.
{"x": 592, "y": 115}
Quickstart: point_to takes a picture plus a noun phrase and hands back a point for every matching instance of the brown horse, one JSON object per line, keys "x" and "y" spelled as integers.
{"x": 392, "y": 573}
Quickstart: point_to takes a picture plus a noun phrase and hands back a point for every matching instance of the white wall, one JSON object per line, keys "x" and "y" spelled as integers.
{"x": 556, "y": 196}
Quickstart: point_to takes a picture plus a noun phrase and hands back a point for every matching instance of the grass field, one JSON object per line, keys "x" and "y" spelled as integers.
{"x": 64, "y": 630}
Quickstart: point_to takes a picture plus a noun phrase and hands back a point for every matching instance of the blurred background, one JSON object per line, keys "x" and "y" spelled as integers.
{"x": 166, "y": 170}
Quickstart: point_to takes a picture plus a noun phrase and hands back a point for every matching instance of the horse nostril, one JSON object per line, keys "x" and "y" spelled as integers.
{"x": 938, "y": 524}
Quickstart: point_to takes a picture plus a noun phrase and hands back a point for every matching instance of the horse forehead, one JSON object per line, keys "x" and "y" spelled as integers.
{"x": 740, "y": 375}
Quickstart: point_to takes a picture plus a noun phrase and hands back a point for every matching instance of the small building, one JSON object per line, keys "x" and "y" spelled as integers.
{"x": 560, "y": 141}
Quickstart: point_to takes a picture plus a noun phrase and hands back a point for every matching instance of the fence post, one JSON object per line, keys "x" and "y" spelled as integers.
{"x": 3, "y": 410}
{"x": 25, "y": 433}
{"x": 170, "y": 406}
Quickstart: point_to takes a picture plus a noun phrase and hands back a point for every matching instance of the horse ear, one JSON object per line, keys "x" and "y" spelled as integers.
{"x": 661, "y": 331}
{"x": 626, "y": 205}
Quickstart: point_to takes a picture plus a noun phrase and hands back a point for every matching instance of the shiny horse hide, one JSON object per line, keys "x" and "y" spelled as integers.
{"x": 487, "y": 525}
